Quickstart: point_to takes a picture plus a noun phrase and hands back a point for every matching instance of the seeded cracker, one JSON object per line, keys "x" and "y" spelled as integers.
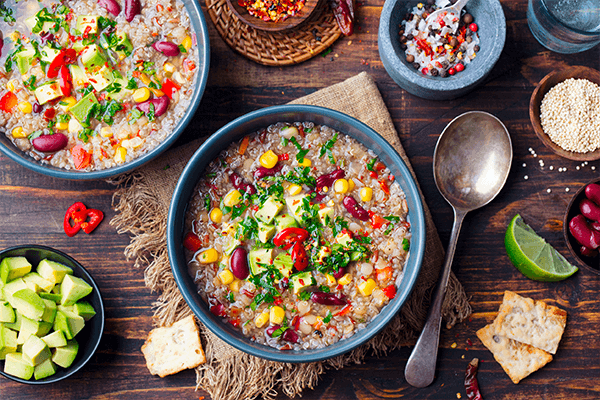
{"x": 172, "y": 349}
{"x": 517, "y": 359}
{"x": 530, "y": 322}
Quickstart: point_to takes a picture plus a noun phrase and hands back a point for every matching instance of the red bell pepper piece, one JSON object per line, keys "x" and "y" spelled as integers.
{"x": 81, "y": 158}
{"x": 299, "y": 256}
{"x": 65, "y": 57}
{"x": 376, "y": 220}
{"x": 8, "y": 102}
{"x": 169, "y": 87}
{"x": 74, "y": 213}
{"x": 289, "y": 236}
{"x": 192, "y": 242}
{"x": 390, "y": 291}
{"x": 65, "y": 81}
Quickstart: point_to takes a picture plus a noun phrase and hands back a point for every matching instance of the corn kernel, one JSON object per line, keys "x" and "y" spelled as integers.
{"x": 268, "y": 159}
{"x": 226, "y": 277}
{"x": 420, "y": 5}
{"x": 216, "y": 215}
{"x": 145, "y": 78}
{"x": 341, "y": 186}
{"x": 10, "y": 85}
{"x": 67, "y": 103}
{"x": 366, "y": 194}
{"x": 277, "y": 315}
{"x": 235, "y": 286}
{"x": 305, "y": 162}
{"x": 120, "y": 154}
{"x": 331, "y": 203}
{"x": 330, "y": 280}
{"x": 366, "y": 288}
{"x": 351, "y": 185}
{"x": 18, "y": 132}
{"x": 208, "y": 256}
{"x": 106, "y": 131}
{"x": 346, "y": 279}
{"x": 261, "y": 319}
{"x": 62, "y": 126}
{"x": 294, "y": 189}
{"x": 169, "y": 68}
{"x": 14, "y": 36}
{"x": 141, "y": 95}
{"x": 232, "y": 198}
{"x": 25, "y": 107}
{"x": 187, "y": 43}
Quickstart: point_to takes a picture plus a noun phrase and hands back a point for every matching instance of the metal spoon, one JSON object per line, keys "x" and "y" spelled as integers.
{"x": 471, "y": 163}
{"x": 455, "y": 8}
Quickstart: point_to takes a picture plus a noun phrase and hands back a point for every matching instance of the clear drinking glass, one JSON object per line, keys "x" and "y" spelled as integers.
{"x": 565, "y": 26}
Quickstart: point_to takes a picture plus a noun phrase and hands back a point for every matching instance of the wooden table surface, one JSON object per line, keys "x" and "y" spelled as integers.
{"x": 32, "y": 208}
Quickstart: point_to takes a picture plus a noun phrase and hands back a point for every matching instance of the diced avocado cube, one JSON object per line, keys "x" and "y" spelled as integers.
{"x": 69, "y": 323}
{"x": 48, "y": 54}
{"x": 78, "y": 46}
{"x": 265, "y": 232}
{"x": 283, "y": 221}
{"x": 82, "y": 109}
{"x": 2, "y": 290}
{"x": 284, "y": 263}
{"x": 294, "y": 204}
{"x": 13, "y": 267}
{"x": 122, "y": 93}
{"x": 28, "y": 303}
{"x": 324, "y": 252}
{"x": 53, "y": 271}
{"x": 44, "y": 329}
{"x": 55, "y": 297}
{"x": 84, "y": 310}
{"x": 55, "y": 339}
{"x": 233, "y": 244}
{"x": 326, "y": 215}
{"x": 32, "y": 21}
{"x": 28, "y": 327}
{"x": 8, "y": 341}
{"x": 302, "y": 280}
{"x": 344, "y": 239}
{"x": 7, "y": 313}
{"x": 56, "y": 290}
{"x": 49, "y": 312}
{"x": 102, "y": 78}
{"x": 87, "y": 23}
{"x": 73, "y": 289}
{"x": 78, "y": 75}
{"x": 64, "y": 356}
{"x": 16, "y": 326}
{"x": 44, "y": 369}
{"x": 24, "y": 59}
{"x": 62, "y": 308}
{"x": 269, "y": 210}
{"x": 15, "y": 365}
{"x": 35, "y": 282}
{"x": 48, "y": 91}
{"x": 124, "y": 48}
{"x": 92, "y": 58}
{"x": 35, "y": 350}
{"x": 12, "y": 287}
{"x": 258, "y": 257}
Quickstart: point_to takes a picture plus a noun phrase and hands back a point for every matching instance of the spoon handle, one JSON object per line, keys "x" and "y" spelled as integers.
{"x": 420, "y": 368}
{"x": 460, "y": 4}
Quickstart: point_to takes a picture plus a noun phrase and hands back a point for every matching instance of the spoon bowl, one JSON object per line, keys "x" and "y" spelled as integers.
{"x": 471, "y": 163}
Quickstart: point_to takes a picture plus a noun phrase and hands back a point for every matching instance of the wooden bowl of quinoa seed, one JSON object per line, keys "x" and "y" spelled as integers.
{"x": 565, "y": 112}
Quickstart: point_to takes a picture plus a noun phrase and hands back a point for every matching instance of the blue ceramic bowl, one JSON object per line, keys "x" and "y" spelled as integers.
{"x": 89, "y": 338}
{"x": 236, "y": 130}
{"x": 489, "y": 17}
{"x": 199, "y": 26}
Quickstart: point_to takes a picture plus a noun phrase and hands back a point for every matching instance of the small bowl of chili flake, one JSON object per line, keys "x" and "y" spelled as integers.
{"x": 447, "y": 58}
{"x": 275, "y": 15}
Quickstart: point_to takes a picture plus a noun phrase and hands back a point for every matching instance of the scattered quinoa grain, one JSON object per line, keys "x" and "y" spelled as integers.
{"x": 577, "y": 168}
{"x": 548, "y": 190}
{"x": 593, "y": 168}
{"x": 551, "y": 168}
{"x": 567, "y": 189}
{"x": 526, "y": 177}
{"x": 524, "y": 165}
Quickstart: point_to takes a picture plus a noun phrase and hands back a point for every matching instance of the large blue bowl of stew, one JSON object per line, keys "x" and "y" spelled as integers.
{"x": 236, "y": 130}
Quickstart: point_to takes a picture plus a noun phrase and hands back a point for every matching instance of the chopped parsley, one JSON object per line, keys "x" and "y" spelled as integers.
{"x": 405, "y": 244}
{"x": 371, "y": 163}
{"x": 150, "y": 113}
{"x": 134, "y": 115}
{"x": 326, "y": 148}
{"x": 304, "y": 296}
{"x": 182, "y": 48}
{"x": 301, "y": 176}
{"x": 85, "y": 134}
{"x": 393, "y": 220}
{"x": 328, "y": 317}
{"x": 207, "y": 202}
{"x": 131, "y": 84}
{"x": 30, "y": 83}
{"x": 6, "y": 13}
{"x": 301, "y": 152}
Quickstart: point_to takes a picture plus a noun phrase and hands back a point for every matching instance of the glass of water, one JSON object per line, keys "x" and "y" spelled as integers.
{"x": 565, "y": 26}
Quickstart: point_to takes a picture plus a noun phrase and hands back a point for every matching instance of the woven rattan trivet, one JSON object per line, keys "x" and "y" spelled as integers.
{"x": 274, "y": 49}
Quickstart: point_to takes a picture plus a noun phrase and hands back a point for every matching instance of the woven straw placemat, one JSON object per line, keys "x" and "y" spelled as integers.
{"x": 274, "y": 49}
{"x": 142, "y": 204}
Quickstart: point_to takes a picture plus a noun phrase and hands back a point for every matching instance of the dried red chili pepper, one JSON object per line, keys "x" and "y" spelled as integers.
{"x": 74, "y": 213}
{"x": 343, "y": 16}
{"x": 289, "y": 236}
{"x": 471, "y": 384}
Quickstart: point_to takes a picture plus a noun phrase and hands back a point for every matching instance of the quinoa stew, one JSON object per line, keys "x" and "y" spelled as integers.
{"x": 297, "y": 236}
{"x": 91, "y": 85}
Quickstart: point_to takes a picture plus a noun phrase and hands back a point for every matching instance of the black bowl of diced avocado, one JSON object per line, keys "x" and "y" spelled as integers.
{"x": 51, "y": 315}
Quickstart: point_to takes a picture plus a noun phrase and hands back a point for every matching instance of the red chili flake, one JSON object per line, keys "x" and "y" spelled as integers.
{"x": 373, "y": 174}
{"x": 284, "y": 157}
{"x": 392, "y": 178}
{"x": 469, "y": 342}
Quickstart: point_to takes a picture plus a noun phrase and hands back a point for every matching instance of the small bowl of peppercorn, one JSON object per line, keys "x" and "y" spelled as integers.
{"x": 443, "y": 57}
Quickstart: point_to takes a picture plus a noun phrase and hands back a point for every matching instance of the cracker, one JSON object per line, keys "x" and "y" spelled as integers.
{"x": 517, "y": 359}
{"x": 530, "y": 322}
{"x": 169, "y": 350}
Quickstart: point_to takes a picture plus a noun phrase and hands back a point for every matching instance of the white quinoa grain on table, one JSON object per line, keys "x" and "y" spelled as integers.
{"x": 570, "y": 115}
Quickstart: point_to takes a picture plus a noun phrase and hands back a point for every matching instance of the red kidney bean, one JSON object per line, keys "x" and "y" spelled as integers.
{"x": 341, "y": 272}
{"x": 290, "y": 336}
{"x": 587, "y": 252}
{"x": 272, "y": 329}
{"x": 37, "y": 108}
{"x": 355, "y": 209}
{"x": 592, "y": 192}
{"x": 1, "y": 43}
{"x": 327, "y": 299}
{"x": 216, "y": 307}
{"x": 46, "y": 37}
{"x": 262, "y": 172}
{"x": 160, "y": 105}
{"x": 238, "y": 183}
{"x": 239, "y": 263}
{"x": 111, "y": 6}
{"x": 50, "y": 143}
{"x": 132, "y": 8}
{"x": 589, "y": 209}
{"x": 167, "y": 48}
{"x": 582, "y": 232}
{"x": 330, "y": 178}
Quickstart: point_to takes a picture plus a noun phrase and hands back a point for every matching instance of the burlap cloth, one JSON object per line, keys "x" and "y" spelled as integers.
{"x": 142, "y": 203}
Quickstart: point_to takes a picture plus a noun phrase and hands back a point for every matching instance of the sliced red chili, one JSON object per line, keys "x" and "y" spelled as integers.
{"x": 65, "y": 81}
{"x": 344, "y": 310}
{"x": 95, "y": 217}
{"x": 384, "y": 186}
{"x": 289, "y": 236}
{"x": 74, "y": 213}
{"x": 65, "y": 57}
{"x": 299, "y": 256}
{"x": 170, "y": 87}
{"x": 192, "y": 242}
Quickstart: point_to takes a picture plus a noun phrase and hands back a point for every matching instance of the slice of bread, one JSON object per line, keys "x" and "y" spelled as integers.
{"x": 169, "y": 350}
{"x": 517, "y": 359}
{"x": 531, "y": 322}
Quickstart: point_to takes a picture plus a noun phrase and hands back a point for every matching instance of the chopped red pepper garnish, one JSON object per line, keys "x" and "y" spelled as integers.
{"x": 299, "y": 256}
{"x": 65, "y": 57}
{"x": 65, "y": 81}
{"x": 390, "y": 291}
{"x": 384, "y": 274}
{"x": 170, "y": 87}
{"x": 80, "y": 214}
{"x": 289, "y": 236}
{"x": 81, "y": 158}
{"x": 384, "y": 186}
{"x": 8, "y": 102}
{"x": 376, "y": 220}
{"x": 192, "y": 242}
{"x": 344, "y": 310}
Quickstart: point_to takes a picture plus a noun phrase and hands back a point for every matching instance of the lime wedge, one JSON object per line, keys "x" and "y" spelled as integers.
{"x": 532, "y": 256}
